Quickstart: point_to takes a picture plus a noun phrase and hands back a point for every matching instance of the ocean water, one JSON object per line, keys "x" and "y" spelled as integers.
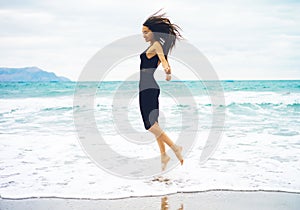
{"x": 40, "y": 154}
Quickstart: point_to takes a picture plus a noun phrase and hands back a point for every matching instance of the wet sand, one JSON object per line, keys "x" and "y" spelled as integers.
{"x": 217, "y": 199}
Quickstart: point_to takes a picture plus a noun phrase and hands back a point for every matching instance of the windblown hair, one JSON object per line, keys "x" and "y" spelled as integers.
{"x": 163, "y": 30}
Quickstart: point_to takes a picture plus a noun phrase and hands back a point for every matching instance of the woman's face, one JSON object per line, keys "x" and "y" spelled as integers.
{"x": 147, "y": 34}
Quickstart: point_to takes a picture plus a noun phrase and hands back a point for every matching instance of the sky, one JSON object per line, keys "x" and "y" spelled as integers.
{"x": 242, "y": 39}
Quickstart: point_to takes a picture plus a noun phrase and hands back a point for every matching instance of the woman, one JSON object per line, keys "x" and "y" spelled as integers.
{"x": 162, "y": 34}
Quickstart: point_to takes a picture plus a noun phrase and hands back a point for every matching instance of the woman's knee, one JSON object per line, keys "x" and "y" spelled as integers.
{"x": 155, "y": 129}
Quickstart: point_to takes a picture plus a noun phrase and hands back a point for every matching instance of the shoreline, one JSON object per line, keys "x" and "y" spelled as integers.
{"x": 150, "y": 196}
{"x": 212, "y": 199}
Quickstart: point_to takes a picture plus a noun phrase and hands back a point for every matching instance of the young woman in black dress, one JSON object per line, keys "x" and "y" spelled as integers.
{"x": 162, "y": 34}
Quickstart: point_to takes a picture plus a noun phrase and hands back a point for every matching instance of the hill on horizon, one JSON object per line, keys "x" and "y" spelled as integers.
{"x": 28, "y": 74}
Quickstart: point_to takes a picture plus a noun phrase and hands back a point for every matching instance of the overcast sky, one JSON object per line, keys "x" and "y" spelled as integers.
{"x": 258, "y": 39}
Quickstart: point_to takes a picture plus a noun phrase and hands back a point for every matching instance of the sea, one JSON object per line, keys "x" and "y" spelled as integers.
{"x": 41, "y": 153}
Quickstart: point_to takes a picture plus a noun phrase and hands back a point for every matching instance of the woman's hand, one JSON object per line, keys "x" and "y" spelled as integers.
{"x": 168, "y": 77}
{"x": 168, "y": 73}
{"x": 168, "y": 70}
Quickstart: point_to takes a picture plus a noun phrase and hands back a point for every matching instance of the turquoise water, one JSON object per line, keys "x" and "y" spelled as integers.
{"x": 55, "y": 89}
{"x": 271, "y": 107}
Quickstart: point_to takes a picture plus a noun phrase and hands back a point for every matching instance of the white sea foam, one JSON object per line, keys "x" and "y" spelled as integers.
{"x": 57, "y": 166}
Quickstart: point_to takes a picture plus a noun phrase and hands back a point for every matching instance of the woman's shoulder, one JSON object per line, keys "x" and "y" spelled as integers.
{"x": 157, "y": 43}
{"x": 157, "y": 46}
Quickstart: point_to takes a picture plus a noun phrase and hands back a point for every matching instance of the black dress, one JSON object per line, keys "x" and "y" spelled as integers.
{"x": 148, "y": 90}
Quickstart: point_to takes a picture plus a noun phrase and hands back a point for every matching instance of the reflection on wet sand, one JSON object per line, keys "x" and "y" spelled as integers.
{"x": 165, "y": 204}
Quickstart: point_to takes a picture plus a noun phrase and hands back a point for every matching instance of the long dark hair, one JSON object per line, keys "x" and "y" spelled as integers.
{"x": 163, "y": 30}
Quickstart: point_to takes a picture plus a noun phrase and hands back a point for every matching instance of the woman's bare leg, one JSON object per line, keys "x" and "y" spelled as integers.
{"x": 161, "y": 145}
{"x": 157, "y": 131}
{"x": 161, "y": 136}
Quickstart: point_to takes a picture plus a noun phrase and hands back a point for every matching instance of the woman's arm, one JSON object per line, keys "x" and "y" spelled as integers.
{"x": 160, "y": 53}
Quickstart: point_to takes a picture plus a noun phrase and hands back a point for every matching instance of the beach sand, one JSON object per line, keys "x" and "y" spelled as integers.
{"x": 217, "y": 199}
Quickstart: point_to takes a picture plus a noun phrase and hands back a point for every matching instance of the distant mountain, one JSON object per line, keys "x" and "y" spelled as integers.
{"x": 28, "y": 74}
